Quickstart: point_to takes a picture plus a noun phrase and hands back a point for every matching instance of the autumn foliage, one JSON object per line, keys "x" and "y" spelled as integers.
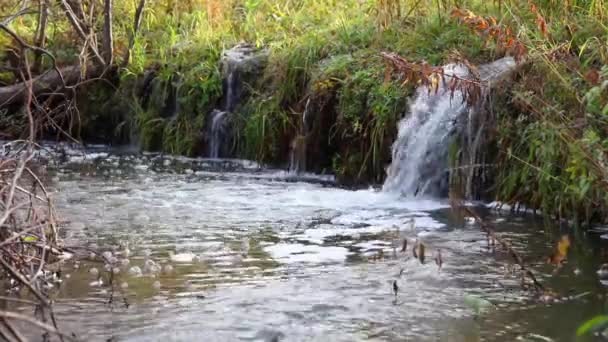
{"x": 490, "y": 29}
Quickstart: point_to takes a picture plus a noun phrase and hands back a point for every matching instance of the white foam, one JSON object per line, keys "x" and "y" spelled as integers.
{"x": 299, "y": 253}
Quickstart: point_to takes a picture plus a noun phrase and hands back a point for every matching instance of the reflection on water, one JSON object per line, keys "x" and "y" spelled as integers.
{"x": 258, "y": 256}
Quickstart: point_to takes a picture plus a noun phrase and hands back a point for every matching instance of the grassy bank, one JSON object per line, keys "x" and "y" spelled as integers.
{"x": 545, "y": 137}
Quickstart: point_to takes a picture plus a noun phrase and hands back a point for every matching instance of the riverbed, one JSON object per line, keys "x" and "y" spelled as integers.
{"x": 283, "y": 257}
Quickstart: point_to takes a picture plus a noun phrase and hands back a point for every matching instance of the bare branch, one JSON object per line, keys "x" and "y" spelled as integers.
{"x": 79, "y": 30}
{"x": 108, "y": 45}
{"x": 41, "y": 32}
{"x": 35, "y": 322}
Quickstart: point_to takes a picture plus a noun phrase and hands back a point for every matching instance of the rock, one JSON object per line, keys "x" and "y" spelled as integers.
{"x": 94, "y": 271}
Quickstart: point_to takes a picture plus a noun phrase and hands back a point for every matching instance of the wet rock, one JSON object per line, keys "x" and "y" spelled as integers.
{"x": 267, "y": 335}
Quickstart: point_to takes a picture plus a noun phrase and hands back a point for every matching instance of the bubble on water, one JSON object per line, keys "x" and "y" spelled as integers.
{"x": 151, "y": 267}
{"x": 106, "y": 255}
{"x": 135, "y": 271}
{"x": 156, "y": 285}
{"x": 168, "y": 269}
{"x": 96, "y": 283}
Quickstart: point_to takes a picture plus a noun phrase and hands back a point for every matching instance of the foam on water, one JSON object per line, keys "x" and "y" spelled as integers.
{"x": 306, "y": 243}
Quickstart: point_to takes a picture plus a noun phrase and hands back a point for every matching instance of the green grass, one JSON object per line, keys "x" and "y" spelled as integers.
{"x": 545, "y": 139}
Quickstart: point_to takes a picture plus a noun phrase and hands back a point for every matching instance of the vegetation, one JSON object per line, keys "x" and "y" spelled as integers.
{"x": 545, "y": 135}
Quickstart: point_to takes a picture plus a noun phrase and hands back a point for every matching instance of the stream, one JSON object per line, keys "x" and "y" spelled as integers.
{"x": 285, "y": 258}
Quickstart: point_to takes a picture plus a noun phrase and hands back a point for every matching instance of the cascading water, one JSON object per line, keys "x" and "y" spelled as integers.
{"x": 420, "y": 153}
{"x": 238, "y": 65}
{"x": 219, "y": 133}
{"x": 297, "y": 154}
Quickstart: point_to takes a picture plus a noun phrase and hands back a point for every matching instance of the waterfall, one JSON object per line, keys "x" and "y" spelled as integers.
{"x": 297, "y": 153}
{"x": 239, "y": 65}
{"x": 219, "y": 133}
{"x": 420, "y": 153}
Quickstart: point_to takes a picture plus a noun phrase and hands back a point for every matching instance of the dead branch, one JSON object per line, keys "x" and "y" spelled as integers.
{"x": 107, "y": 39}
{"x": 35, "y": 322}
{"x": 433, "y": 77}
{"x": 80, "y": 31}
{"x": 40, "y": 42}
{"x": 489, "y": 230}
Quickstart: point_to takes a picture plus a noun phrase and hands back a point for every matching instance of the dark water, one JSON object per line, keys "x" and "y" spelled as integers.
{"x": 263, "y": 257}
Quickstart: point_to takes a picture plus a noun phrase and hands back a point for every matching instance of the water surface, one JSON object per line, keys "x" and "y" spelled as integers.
{"x": 312, "y": 271}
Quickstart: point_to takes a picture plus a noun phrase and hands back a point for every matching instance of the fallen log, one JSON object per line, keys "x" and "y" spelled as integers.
{"x": 51, "y": 81}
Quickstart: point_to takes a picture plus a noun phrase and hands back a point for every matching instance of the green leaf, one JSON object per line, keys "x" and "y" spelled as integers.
{"x": 30, "y": 238}
{"x": 595, "y": 323}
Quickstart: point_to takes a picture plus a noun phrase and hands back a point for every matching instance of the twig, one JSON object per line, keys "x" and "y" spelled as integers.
{"x": 486, "y": 227}
{"x": 35, "y": 322}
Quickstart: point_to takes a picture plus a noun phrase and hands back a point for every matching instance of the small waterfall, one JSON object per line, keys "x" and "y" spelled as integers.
{"x": 239, "y": 65}
{"x": 232, "y": 88}
{"x": 219, "y": 133}
{"x": 420, "y": 153}
{"x": 297, "y": 153}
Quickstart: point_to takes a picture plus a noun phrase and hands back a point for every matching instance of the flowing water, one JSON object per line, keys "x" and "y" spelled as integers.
{"x": 219, "y": 134}
{"x": 420, "y": 153}
{"x": 282, "y": 259}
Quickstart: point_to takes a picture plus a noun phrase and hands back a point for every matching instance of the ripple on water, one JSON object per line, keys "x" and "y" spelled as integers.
{"x": 299, "y": 276}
